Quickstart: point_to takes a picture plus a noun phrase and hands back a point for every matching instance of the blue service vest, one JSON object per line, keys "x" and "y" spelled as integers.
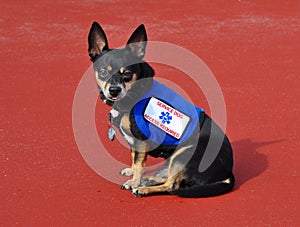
{"x": 171, "y": 98}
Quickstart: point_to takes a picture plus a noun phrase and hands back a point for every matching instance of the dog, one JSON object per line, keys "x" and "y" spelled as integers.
{"x": 156, "y": 121}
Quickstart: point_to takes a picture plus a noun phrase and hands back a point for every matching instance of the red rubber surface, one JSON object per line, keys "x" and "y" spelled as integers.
{"x": 253, "y": 50}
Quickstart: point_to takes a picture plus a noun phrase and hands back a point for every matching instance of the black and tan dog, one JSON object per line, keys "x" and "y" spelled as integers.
{"x": 158, "y": 122}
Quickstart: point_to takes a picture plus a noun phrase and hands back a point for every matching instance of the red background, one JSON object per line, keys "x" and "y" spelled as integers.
{"x": 253, "y": 49}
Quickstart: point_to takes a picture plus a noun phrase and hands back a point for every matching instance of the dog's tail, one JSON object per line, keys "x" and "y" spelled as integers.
{"x": 207, "y": 190}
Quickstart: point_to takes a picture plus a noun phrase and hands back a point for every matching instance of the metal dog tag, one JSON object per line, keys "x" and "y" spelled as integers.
{"x": 111, "y": 134}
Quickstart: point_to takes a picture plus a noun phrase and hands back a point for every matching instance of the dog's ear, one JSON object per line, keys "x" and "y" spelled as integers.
{"x": 138, "y": 41}
{"x": 97, "y": 41}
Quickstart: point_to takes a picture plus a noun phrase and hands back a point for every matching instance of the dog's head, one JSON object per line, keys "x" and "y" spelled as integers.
{"x": 117, "y": 70}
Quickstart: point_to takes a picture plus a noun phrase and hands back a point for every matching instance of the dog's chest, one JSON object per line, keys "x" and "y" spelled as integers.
{"x": 121, "y": 121}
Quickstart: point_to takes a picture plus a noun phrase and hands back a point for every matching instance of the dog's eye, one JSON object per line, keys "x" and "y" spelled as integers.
{"x": 127, "y": 76}
{"x": 103, "y": 73}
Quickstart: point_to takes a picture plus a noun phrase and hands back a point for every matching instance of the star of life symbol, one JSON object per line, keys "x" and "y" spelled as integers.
{"x": 166, "y": 118}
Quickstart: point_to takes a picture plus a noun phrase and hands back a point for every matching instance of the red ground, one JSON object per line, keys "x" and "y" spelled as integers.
{"x": 253, "y": 50}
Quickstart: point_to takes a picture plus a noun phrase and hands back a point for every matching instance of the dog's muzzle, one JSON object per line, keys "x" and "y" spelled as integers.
{"x": 114, "y": 91}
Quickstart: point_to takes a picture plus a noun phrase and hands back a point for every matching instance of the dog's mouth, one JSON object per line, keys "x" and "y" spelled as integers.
{"x": 109, "y": 96}
{"x": 115, "y": 97}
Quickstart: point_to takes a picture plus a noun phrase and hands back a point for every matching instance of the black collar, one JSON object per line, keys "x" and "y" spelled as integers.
{"x": 104, "y": 99}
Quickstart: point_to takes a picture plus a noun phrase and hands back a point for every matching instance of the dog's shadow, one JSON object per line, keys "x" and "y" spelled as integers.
{"x": 249, "y": 163}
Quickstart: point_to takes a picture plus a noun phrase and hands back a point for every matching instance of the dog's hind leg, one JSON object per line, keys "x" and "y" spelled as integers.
{"x": 175, "y": 176}
{"x": 152, "y": 181}
{"x": 169, "y": 185}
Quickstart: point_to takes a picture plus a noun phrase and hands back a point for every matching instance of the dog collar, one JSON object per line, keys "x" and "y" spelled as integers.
{"x": 104, "y": 99}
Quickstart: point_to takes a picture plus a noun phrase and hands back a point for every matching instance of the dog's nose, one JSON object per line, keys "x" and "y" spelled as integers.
{"x": 114, "y": 91}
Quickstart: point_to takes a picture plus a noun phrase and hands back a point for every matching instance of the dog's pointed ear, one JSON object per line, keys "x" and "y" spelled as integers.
{"x": 97, "y": 41}
{"x": 138, "y": 41}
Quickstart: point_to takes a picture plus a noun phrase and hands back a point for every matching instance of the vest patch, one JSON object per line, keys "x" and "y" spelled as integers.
{"x": 166, "y": 118}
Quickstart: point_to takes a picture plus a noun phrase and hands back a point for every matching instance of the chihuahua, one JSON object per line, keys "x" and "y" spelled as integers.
{"x": 157, "y": 121}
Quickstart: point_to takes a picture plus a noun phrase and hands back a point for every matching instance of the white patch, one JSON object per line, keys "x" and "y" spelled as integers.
{"x": 114, "y": 113}
{"x": 166, "y": 118}
{"x": 128, "y": 138}
{"x": 127, "y": 185}
{"x": 227, "y": 181}
{"x": 127, "y": 172}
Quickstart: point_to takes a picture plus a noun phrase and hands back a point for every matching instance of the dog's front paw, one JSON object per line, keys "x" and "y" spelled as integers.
{"x": 127, "y": 172}
{"x": 139, "y": 192}
{"x": 130, "y": 185}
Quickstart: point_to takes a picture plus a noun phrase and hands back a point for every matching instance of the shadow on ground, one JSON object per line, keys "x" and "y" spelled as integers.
{"x": 249, "y": 163}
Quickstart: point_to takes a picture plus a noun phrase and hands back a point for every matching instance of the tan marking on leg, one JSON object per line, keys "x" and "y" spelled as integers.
{"x": 174, "y": 178}
{"x": 138, "y": 165}
{"x": 155, "y": 180}
{"x": 170, "y": 184}
{"x": 125, "y": 122}
{"x": 132, "y": 157}
{"x": 176, "y": 154}
{"x": 138, "y": 154}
